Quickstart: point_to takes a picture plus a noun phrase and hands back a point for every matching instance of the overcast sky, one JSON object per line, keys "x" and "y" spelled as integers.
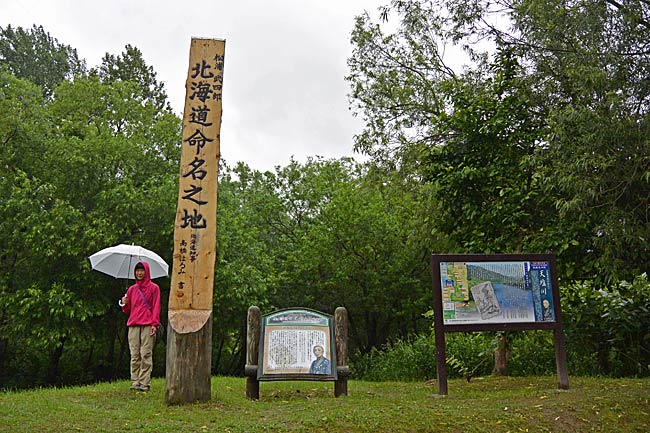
{"x": 284, "y": 92}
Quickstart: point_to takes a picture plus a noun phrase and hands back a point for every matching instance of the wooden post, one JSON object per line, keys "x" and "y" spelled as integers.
{"x": 561, "y": 359}
{"x": 254, "y": 320}
{"x": 341, "y": 341}
{"x": 558, "y": 333}
{"x": 188, "y": 365}
{"x": 439, "y": 329}
{"x": 441, "y": 357}
{"x": 189, "y": 339}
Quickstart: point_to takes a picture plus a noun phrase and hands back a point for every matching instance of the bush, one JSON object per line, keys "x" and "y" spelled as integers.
{"x": 469, "y": 354}
{"x": 533, "y": 354}
{"x": 415, "y": 358}
{"x": 607, "y": 330}
{"x": 403, "y": 360}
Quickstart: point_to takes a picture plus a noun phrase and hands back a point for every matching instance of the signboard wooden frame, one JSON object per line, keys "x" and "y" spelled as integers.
{"x": 474, "y": 300}
{"x": 289, "y": 340}
{"x": 335, "y": 331}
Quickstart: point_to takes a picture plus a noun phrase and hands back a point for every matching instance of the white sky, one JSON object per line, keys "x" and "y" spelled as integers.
{"x": 284, "y": 92}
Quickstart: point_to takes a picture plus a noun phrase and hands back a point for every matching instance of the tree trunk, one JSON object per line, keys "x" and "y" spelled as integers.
{"x": 88, "y": 363}
{"x": 501, "y": 356}
{"x": 55, "y": 357}
{"x": 217, "y": 355}
{"x": 109, "y": 359}
{"x": 4, "y": 345}
{"x": 124, "y": 348}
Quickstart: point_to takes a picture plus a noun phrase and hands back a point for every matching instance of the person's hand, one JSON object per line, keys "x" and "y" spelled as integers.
{"x": 152, "y": 331}
{"x": 124, "y": 299}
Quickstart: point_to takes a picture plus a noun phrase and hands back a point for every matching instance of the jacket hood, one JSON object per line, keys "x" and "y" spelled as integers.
{"x": 147, "y": 273}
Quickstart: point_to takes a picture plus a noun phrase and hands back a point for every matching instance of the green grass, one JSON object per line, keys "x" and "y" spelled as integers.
{"x": 490, "y": 404}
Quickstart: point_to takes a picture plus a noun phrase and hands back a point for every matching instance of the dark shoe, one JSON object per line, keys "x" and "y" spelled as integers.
{"x": 135, "y": 387}
{"x": 143, "y": 388}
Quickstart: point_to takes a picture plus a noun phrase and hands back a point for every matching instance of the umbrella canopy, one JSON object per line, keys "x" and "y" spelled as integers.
{"x": 119, "y": 261}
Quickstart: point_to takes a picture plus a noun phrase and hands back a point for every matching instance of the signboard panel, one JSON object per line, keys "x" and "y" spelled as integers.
{"x": 496, "y": 292}
{"x": 297, "y": 344}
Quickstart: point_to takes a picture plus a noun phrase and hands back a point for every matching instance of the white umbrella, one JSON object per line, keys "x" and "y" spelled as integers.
{"x": 119, "y": 261}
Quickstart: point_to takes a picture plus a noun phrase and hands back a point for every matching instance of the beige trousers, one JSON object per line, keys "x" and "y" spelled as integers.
{"x": 141, "y": 346}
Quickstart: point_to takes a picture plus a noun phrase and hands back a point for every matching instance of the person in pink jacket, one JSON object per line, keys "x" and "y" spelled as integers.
{"x": 142, "y": 303}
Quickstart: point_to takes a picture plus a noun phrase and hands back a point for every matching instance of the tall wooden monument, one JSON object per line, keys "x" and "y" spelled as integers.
{"x": 189, "y": 337}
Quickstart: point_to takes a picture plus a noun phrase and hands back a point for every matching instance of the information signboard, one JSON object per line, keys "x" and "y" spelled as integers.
{"x": 496, "y": 292}
{"x": 297, "y": 344}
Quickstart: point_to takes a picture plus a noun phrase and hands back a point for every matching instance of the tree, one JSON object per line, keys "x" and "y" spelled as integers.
{"x": 395, "y": 81}
{"x": 38, "y": 229}
{"x": 586, "y": 60}
{"x": 591, "y": 60}
{"x": 369, "y": 252}
{"x": 249, "y": 267}
{"x": 38, "y": 57}
{"x": 322, "y": 234}
{"x": 580, "y": 94}
{"x": 130, "y": 66}
{"x": 353, "y": 236}
{"x": 21, "y": 120}
{"x": 540, "y": 144}
{"x": 123, "y": 154}
{"x": 489, "y": 185}
{"x": 94, "y": 165}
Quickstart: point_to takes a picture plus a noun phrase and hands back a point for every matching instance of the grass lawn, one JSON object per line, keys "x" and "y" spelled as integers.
{"x": 490, "y": 404}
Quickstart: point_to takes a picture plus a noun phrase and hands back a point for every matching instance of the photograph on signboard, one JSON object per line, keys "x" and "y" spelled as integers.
{"x": 486, "y": 300}
{"x": 496, "y": 292}
{"x": 297, "y": 342}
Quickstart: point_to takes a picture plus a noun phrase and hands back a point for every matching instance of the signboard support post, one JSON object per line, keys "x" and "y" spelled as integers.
{"x": 441, "y": 356}
{"x": 341, "y": 341}
{"x": 559, "y": 339}
{"x": 561, "y": 359}
{"x": 253, "y": 326}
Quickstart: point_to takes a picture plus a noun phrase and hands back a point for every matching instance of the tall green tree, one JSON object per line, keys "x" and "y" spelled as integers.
{"x": 341, "y": 234}
{"x": 322, "y": 234}
{"x": 591, "y": 58}
{"x": 249, "y": 266}
{"x": 130, "y": 66}
{"x": 484, "y": 163}
{"x": 39, "y": 308}
{"x": 35, "y": 55}
{"x": 579, "y": 102}
{"x": 94, "y": 165}
{"x": 538, "y": 144}
{"x": 22, "y": 120}
{"x": 118, "y": 160}
{"x": 370, "y": 253}
{"x": 587, "y": 60}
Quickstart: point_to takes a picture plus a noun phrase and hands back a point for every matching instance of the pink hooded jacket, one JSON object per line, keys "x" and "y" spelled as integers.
{"x": 136, "y": 308}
